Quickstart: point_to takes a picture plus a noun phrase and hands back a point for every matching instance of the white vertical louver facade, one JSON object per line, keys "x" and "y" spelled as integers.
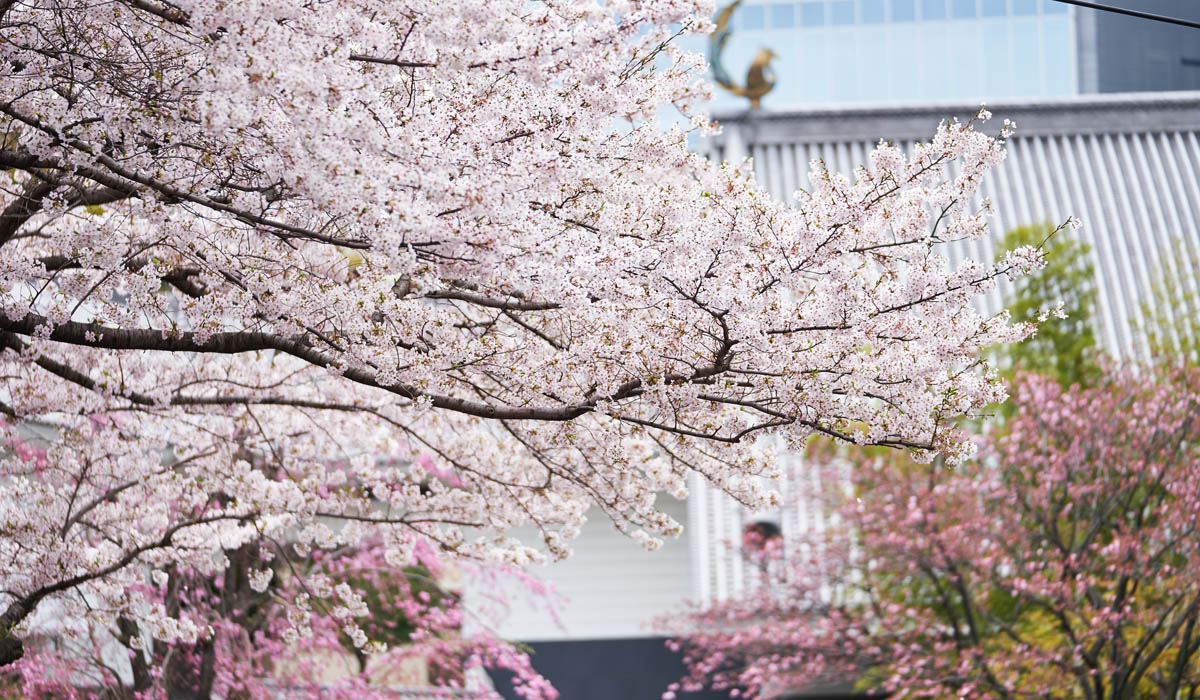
{"x": 1127, "y": 165}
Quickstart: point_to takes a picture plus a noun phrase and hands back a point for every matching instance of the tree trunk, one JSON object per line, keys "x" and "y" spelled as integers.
{"x": 190, "y": 675}
{"x": 11, "y": 648}
{"x": 128, "y": 630}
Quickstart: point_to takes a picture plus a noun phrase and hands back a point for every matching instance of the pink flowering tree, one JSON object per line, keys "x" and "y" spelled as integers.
{"x": 420, "y": 631}
{"x": 416, "y": 273}
{"x": 1061, "y": 565}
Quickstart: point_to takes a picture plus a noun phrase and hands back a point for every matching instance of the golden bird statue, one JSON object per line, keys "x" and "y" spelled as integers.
{"x": 760, "y": 79}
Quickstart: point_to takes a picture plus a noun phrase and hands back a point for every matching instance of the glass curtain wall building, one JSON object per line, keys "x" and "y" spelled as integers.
{"x": 842, "y": 52}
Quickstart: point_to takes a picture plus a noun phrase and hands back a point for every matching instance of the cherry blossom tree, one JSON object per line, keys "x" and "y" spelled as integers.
{"x": 1060, "y": 566}
{"x": 419, "y": 272}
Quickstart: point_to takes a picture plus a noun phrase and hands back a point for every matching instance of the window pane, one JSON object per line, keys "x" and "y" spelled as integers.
{"x": 903, "y": 11}
{"x": 1027, "y": 62}
{"x": 1051, "y": 7}
{"x": 812, "y": 14}
{"x": 964, "y": 8}
{"x": 933, "y": 9}
{"x": 783, "y": 16}
{"x": 998, "y": 78}
{"x": 1056, "y": 53}
{"x": 1024, "y": 7}
{"x": 995, "y": 8}
{"x": 752, "y": 17}
{"x": 843, "y": 12}
{"x": 872, "y": 10}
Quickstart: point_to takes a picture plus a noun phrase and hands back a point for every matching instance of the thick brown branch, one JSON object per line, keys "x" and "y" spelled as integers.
{"x": 20, "y": 160}
{"x": 98, "y": 336}
{"x": 492, "y": 303}
{"x": 20, "y": 210}
{"x": 165, "y": 11}
{"x": 180, "y": 277}
{"x": 363, "y": 58}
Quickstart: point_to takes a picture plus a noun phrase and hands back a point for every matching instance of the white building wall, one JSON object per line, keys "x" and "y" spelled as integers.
{"x": 610, "y": 586}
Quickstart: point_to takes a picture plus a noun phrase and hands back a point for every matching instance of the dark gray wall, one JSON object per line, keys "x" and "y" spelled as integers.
{"x": 1129, "y": 54}
{"x": 630, "y": 669}
{"x": 609, "y": 669}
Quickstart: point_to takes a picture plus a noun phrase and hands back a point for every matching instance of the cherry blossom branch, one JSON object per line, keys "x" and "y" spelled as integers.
{"x": 99, "y": 336}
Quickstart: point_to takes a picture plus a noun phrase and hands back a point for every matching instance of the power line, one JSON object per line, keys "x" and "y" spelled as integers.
{"x": 1133, "y": 13}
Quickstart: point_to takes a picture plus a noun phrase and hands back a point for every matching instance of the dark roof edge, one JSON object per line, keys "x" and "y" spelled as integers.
{"x": 1083, "y": 114}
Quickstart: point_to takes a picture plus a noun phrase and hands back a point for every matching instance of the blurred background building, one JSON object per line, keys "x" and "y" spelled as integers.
{"x": 886, "y": 51}
{"x": 1125, "y": 54}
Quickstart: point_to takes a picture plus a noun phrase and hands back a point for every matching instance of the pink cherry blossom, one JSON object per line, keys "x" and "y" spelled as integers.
{"x": 1060, "y": 565}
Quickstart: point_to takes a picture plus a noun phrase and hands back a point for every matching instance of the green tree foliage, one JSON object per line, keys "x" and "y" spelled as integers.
{"x": 1064, "y": 348}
